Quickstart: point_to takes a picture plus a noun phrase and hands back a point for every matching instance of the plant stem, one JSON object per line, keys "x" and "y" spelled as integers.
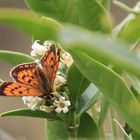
{"x": 115, "y": 130}
{"x": 106, "y": 4}
{"x": 73, "y": 124}
{"x": 125, "y": 7}
{"x": 121, "y": 25}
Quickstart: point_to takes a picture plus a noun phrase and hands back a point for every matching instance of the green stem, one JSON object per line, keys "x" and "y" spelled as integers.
{"x": 106, "y": 4}
{"x": 125, "y": 7}
{"x": 121, "y": 25}
{"x": 115, "y": 130}
{"x": 73, "y": 124}
{"x": 103, "y": 114}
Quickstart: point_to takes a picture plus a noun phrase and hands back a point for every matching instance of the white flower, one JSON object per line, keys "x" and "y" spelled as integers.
{"x": 38, "y": 49}
{"x": 47, "y": 44}
{"x": 48, "y": 109}
{"x": 67, "y": 59}
{"x": 62, "y": 105}
{"x": 33, "y": 103}
{"x": 59, "y": 80}
{"x": 25, "y": 99}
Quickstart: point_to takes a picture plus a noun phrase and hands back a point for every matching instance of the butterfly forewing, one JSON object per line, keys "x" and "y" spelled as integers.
{"x": 50, "y": 62}
{"x": 18, "y": 89}
{"x": 57, "y": 59}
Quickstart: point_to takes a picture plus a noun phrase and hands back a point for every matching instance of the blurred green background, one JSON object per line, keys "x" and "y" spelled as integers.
{"x": 20, "y": 128}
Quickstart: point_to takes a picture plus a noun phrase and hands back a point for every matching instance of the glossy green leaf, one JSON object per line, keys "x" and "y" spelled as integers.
{"x": 88, "y": 129}
{"x": 111, "y": 85}
{"x": 89, "y": 14}
{"x": 101, "y": 48}
{"x": 55, "y": 130}
{"x": 30, "y": 113}
{"x": 29, "y": 23}
{"x": 90, "y": 96}
{"x": 77, "y": 83}
{"x": 131, "y": 33}
{"x": 15, "y": 58}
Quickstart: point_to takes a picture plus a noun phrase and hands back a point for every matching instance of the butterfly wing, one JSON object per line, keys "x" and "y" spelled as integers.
{"x": 50, "y": 63}
{"x": 28, "y": 81}
{"x": 28, "y": 74}
{"x": 18, "y": 89}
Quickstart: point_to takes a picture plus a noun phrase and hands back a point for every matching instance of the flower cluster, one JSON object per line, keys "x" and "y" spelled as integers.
{"x": 38, "y": 49}
{"x": 35, "y": 103}
{"x": 59, "y": 103}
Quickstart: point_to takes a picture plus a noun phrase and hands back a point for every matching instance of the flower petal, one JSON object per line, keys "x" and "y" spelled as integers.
{"x": 58, "y": 109}
{"x": 67, "y": 103}
{"x": 62, "y": 98}
{"x": 65, "y": 109}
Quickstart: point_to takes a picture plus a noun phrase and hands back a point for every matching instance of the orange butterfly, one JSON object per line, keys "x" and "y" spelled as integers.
{"x": 31, "y": 79}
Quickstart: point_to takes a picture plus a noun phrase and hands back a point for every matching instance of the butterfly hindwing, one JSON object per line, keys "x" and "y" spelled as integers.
{"x": 17, "y": 89}
{"x": 50, "y": 62}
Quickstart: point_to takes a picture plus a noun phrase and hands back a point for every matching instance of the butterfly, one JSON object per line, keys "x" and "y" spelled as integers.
{"x": 33, "y": 79}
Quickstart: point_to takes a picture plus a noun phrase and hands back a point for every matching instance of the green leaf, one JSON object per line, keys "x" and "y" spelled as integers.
{"x": 30, "y": 113}
{"x": 103, "y": 112}
{"x": 88, "y": 14}
{"x": 55, "y": 130}
{"x": 77, "y": 83}
{"x": 88, "y": 129}
{"x": 100, "y": 48}
{"x": 135, "y": 136}
{"x": 52, "y": 24}
{"x": 29, "y": 23}
{"x": 111, "y": 85}
{"x": 88, "y": 99}
{"x": 93, "y": 16}
{"x": 127, "y": 136}
{"x": 15, "y": 58}
{"x": 131, "y": 33}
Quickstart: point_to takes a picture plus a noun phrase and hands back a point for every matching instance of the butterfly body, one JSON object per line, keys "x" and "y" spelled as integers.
{"x": 33, "y": 79}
